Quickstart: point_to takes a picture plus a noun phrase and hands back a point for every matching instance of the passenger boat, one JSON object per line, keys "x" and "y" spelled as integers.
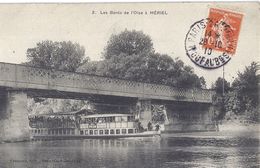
{"x": 65, "y": 126}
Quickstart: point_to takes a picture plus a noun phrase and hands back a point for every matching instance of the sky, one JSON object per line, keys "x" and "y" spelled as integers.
{"x": 23, "y": 25}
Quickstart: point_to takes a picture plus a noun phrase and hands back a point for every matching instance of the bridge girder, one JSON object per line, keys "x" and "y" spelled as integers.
{"x": 58, "y": 84}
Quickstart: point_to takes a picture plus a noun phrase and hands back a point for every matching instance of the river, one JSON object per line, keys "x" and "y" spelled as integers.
{"x": 169, "y": 151}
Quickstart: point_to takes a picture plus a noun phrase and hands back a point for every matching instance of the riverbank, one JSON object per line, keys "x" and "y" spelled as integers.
{"x": 226, "y": 130}
{"x": 235, "y": 126}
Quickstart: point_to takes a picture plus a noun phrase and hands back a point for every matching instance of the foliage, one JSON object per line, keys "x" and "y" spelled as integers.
{"x": 242, "y": 98}
{"x": 91, "y": 67}
{"x": 219, "y": 86}
{"x": 158, "y": 117}
{"x": 158, "y": 114}
{"x": 246, "y": 85}
{"x": 130, "y": 55}
{"x": 64, "y": 55}
{"x": 203, "y": 82}
{"x": 49, "y": 105}
{"x": 129, "y": 43}
{"x": 57, "y": 55}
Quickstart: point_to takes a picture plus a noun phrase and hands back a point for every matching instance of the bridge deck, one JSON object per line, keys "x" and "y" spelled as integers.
{"x": 30, "y": 78}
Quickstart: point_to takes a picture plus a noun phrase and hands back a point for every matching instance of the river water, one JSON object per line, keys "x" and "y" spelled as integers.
{"x": 170, "y": 150}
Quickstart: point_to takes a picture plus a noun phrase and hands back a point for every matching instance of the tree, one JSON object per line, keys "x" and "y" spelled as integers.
{"x": 203, "y": 82}
{"x": 129, "y": 43}
{"x": 219, "y": 86}
{"x": 91, "y": 67}
{"x": 246, "y": 86}
{"x": 130, "y": 55}
{"x": 57, "y": 55}
{"x": 242, "y": 98}
{"x": 66, "y": 56}
{"x": 221, "y": 100}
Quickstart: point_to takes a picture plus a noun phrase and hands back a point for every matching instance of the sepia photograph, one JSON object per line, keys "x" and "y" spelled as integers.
{"x": 136, "y": 85}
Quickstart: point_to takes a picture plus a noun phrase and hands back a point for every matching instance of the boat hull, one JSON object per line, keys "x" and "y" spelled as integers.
{"x": 62, "y": 137}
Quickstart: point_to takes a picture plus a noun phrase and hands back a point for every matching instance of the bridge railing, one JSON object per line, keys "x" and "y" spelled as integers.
{"x": 21, "y": 76}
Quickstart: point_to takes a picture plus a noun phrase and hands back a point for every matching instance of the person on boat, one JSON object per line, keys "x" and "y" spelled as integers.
{"x": 149, "y": 125}
{"x": 157, "y": 127}
{"x": 140, "y": 127}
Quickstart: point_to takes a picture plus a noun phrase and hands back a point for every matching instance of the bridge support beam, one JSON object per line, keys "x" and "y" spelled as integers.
{"x": 14, "y": 123}
{"x": 145, "y": 111}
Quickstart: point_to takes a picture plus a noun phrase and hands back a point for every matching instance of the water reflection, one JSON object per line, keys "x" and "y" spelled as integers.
{"x": 169, "y": 151}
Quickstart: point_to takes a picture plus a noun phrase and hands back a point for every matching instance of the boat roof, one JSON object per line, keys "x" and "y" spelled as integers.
{"x": 107, "y": 115}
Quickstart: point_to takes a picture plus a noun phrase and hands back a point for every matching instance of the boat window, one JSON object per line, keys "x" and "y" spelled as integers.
{"x": 100, "y": 132}
{"x": 86, "y": 132}
{"x": 112, "y": 131}
{"x": 35, "y": 131}
{"x": 118, "y": 119}
{"x": 68, "y": 131}
{"x": 117, "y": 131}
{"x": 91, "y": 120}
{"x": 38, "y": 131}
{"x": 73, "y": 131}
{"x": 64, "y": 131}
{"x": 124, "y": 119}
{"x": 81, "y": 132}
{"x": 49, "y": 132}
{"x": 130, "y": 118}
{"x": 107, "y": 119}
{"x": 60, "y": 131}
{"x": 130, "y": 131}
{"x": 123, "y": 131}
{"x": 112, "y": 119}
{"x": 91, "y": 132}
{"x": 106, "y": 131}
{"x": 87, "y": 120}
{"x": 96, "y": 132}
{"x": 101, "y": 120}
{"x": 56, "y": 131}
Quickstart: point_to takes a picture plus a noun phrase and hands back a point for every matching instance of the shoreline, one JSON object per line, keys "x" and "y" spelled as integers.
{"x": 233, "y": 126}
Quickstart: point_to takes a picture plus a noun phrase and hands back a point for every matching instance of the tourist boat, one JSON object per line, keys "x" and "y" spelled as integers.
{"x": 67, "y": 126}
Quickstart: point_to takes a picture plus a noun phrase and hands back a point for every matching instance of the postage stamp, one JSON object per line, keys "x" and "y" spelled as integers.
{"x": 211, "y": 42}
{"x": 223, "y": 30}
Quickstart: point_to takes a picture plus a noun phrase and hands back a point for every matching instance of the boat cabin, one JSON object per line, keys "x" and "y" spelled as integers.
{"x": 107, "y": 124}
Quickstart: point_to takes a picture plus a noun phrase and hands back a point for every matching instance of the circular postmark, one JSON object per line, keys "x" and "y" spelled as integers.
{"x": 196, "y": 46}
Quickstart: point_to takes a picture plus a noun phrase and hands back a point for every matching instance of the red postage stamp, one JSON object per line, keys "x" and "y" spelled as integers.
{"x": 222, "y": 31}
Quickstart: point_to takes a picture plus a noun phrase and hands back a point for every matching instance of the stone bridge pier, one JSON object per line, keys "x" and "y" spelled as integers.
{"x": 190, "y": 117}
{"x": 14, "y": 123}
{"x": 180, "y": 116}
{"x": 144, "y": 109}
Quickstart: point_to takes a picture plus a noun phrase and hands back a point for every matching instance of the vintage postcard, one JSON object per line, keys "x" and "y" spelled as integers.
{"x": 129, "y": 85}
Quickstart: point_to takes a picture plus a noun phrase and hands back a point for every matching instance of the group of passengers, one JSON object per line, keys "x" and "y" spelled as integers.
{"x": 149, "y": 127}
